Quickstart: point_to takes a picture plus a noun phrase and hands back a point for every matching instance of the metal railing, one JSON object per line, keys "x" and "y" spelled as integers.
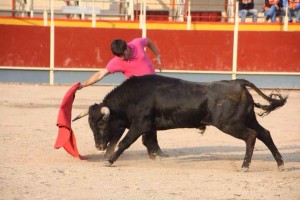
{"x": 155, "y": 10}
{"x": 162, "y": 10}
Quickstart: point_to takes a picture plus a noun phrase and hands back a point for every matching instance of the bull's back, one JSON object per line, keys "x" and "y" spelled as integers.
{"x": 175, "y": 103}
{"x": 187, "y": 104}
{"x": 179, "y": 103}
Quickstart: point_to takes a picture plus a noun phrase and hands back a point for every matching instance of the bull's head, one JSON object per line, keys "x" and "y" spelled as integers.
{"x": 98, "y": 121}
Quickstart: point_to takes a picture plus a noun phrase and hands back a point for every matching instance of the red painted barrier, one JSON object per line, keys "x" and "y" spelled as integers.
{"x": 194, "y": 50}
{"x": 269, "y": 51}
{"x": 274, "y": 51}
{"x": 24, "y": 46}
{"x": 87, "y": 47}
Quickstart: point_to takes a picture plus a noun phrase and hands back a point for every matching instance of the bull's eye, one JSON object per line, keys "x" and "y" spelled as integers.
{"x": 105, "y": 118}
{"x": 101, "y": 124}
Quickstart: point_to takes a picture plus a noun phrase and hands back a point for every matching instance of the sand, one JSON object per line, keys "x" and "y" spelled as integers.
{"x": 199, "y": 166}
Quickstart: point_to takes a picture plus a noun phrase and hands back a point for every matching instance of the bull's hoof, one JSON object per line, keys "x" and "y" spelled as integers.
{"x": 244, "y": 169}
{"x": 152, "y": 156}
{"x": 158, "y": 153}
{"x": 281, "y": 168}
{"x": 161, "y": 153}
{"x": 107, "y": 163}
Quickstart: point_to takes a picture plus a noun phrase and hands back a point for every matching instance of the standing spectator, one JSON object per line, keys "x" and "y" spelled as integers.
{"x": 293, "y": 9}
{"x": 272, "y": 9}
{"x": 75, "y": 3}
{"x": 246, "y": 7}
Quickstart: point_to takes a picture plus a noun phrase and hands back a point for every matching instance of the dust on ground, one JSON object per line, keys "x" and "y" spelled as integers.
{"x": 199, "y": 166}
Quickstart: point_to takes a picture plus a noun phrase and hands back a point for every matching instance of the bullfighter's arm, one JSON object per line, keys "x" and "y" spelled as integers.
{"x": 155, "y": 51}
{"x": 94, "y": 78}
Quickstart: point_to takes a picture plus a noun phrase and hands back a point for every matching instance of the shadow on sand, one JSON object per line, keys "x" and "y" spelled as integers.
{"x": 207, "y": 153}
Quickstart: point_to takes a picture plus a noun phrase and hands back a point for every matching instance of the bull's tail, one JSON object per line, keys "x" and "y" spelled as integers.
{"x": 276, "y": 100}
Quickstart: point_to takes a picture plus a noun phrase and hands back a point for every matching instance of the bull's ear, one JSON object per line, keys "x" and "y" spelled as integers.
{"x": 84, "y": 113}
{"x": 105, "y": 111}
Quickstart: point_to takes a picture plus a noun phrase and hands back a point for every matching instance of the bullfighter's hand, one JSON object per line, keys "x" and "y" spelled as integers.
{"x": 80, "y": 86}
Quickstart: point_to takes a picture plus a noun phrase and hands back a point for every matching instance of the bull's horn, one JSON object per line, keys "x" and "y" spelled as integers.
{"x": 84, "y": 113}
{"x": 105, "y": 111}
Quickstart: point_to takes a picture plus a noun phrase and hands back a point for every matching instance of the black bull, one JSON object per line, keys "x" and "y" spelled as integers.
{"x": 149, "y": 103}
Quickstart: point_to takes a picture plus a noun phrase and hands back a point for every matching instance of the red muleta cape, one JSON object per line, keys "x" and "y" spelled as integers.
{"x": 66, "y": 137}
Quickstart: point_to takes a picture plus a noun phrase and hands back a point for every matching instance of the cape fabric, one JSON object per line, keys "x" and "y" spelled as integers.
{"x": 66, "y": 137}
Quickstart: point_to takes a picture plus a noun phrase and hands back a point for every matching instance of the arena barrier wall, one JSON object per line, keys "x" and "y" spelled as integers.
{"x": 183, "y": 51}
{"x": 28, "y": 46}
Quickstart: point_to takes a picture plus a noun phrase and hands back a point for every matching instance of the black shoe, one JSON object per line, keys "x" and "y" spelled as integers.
{"x": 268, "y": 17}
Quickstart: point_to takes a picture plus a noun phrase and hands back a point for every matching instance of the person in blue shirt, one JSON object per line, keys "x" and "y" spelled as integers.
{"x": 293, "y": 9}
{"x": 272, "y": 9}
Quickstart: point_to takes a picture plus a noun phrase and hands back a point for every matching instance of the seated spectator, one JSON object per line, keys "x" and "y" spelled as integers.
{"x": 272, "y": 9}
{"x": 246, "y": 7}
{"x": 293, "y": 9}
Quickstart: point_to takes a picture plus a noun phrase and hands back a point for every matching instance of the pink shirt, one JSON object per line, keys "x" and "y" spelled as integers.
{"x": 138, "y": 65}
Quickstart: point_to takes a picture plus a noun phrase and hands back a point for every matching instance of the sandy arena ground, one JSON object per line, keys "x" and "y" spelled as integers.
{"x": 199, "y": 167}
